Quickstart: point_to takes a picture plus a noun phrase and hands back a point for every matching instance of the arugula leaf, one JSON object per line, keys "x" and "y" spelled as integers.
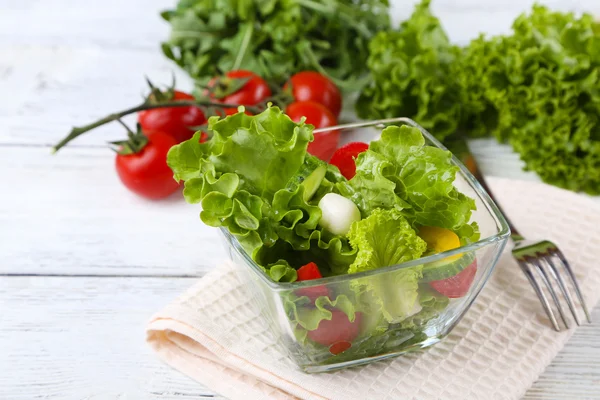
{"x": 274, "y": 38}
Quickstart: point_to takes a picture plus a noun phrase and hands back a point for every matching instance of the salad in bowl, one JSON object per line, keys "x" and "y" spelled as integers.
{"x": 350, "y": 267}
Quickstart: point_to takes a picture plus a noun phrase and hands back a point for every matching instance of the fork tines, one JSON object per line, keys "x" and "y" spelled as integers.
{"x": 550, "y": 267}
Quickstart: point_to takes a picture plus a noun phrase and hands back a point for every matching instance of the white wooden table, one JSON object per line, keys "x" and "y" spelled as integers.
{"x": 84, "y": 263}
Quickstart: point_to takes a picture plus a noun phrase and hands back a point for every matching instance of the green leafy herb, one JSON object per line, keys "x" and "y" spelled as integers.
{"x": 274, "y": 38}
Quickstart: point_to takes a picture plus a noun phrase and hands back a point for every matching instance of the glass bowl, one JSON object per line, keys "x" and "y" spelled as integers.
{"x": 352, "y": 328}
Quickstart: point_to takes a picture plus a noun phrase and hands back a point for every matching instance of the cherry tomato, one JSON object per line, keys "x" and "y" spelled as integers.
{"x": 458, "y": 285}
{"x": 338, "y": 329}
{"x": 146, "y": 172}
{"x": 178, "y": 122}
{"x": 309, "y": 272}
{"x": 312, "y": 86}
{"x": 252, "y": 93}
{"x": 344, "y": 158}
{"x": 324, "y": 143}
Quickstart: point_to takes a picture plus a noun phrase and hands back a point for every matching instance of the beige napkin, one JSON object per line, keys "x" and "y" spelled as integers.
{"x": 496, "y": 352}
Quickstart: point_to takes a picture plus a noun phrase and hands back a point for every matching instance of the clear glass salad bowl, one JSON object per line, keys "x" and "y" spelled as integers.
{"x": 337, "y": 322}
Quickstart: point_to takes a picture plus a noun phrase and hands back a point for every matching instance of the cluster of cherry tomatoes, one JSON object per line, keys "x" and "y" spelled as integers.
{"x": 146, "y": 173}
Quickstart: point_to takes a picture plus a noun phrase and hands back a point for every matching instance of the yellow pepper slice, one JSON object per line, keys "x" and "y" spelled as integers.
{"x": 440, "y": 239}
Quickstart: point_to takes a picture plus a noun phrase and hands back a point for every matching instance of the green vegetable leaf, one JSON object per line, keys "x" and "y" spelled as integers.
{"x": 432, "y": 304}
{"x": 538, "y": 89}
{"x": 274, "y": 38}
{"x": 399, "y": 171}
{"x": 305, "y": 316}
{"x": 384, "y": 238}
{"x": 241, "y": 178}
{"x": 411, "y": 75}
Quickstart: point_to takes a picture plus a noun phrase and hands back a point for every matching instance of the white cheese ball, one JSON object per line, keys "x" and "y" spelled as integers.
{"x": 338, "y": 213}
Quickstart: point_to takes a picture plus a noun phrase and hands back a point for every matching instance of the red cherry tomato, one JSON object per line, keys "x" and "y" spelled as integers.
{"x": 146, "y": 173}
{"x": 174, "y": 121}
{"x": 252, "y": 93}
{"x": 325, "y": 143}
{"x": 312, "y": 86}
{"x": 458, "y": 285}
{"x": 344, "y": 158}
{"x": 309, "y": 272}
{"x": 338, "y": 329}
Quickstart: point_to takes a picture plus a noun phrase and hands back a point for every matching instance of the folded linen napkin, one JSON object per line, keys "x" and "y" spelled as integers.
{"x": 497, "y": 351}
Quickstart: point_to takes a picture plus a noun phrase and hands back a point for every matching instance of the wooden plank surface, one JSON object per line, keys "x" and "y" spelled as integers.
{"x": 83, "y": 338}
{"x": 69, "y": 214}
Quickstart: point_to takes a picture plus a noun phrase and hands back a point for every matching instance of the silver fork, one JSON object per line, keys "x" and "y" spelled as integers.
{"x": 536, "y": 258}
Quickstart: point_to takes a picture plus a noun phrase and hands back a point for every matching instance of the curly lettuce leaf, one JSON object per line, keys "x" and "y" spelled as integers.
{"x": 304, "y": 315}
{"x": 400, "y": 172}
{"x": 411, "y": 75}
{"x": 241, "y": 178}
{"x": 540, "y": 87}
{"x": 384, "y": 238}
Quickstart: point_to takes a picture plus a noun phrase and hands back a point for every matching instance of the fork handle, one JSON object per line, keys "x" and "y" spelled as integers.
{"x": 461, "y": 150}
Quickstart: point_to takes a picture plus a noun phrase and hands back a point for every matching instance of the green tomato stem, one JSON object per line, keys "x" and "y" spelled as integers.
{"x": 80, "y": 130}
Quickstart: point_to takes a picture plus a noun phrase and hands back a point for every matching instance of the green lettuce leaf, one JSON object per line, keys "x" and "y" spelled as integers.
{"x": 537, "y": 88}
{"x": 304, "y": 315}
{"x": 411, "y": 75}
{"x": 400, "y": 172}
{"x": 432, "y": 304}
{"x": 384, "y": 238}
{"x": 241, "y": 178}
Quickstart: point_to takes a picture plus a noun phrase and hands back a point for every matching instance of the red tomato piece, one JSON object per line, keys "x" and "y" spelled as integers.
{"x": 337, "y": 329}
{"x": 344, "y": 158}
{"x": 146, "y": 172}
{"x": 313, "y": 86}
{"x": 324, "y": 143}
{"x": 178, "y": 122}
{"x": 339, "y": 347}
{"x": 309, "y": 272}
{"x": 458, "y": 285}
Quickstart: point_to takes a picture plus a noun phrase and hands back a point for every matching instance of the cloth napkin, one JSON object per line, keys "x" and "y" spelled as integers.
{"x": 497, "y": 351}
